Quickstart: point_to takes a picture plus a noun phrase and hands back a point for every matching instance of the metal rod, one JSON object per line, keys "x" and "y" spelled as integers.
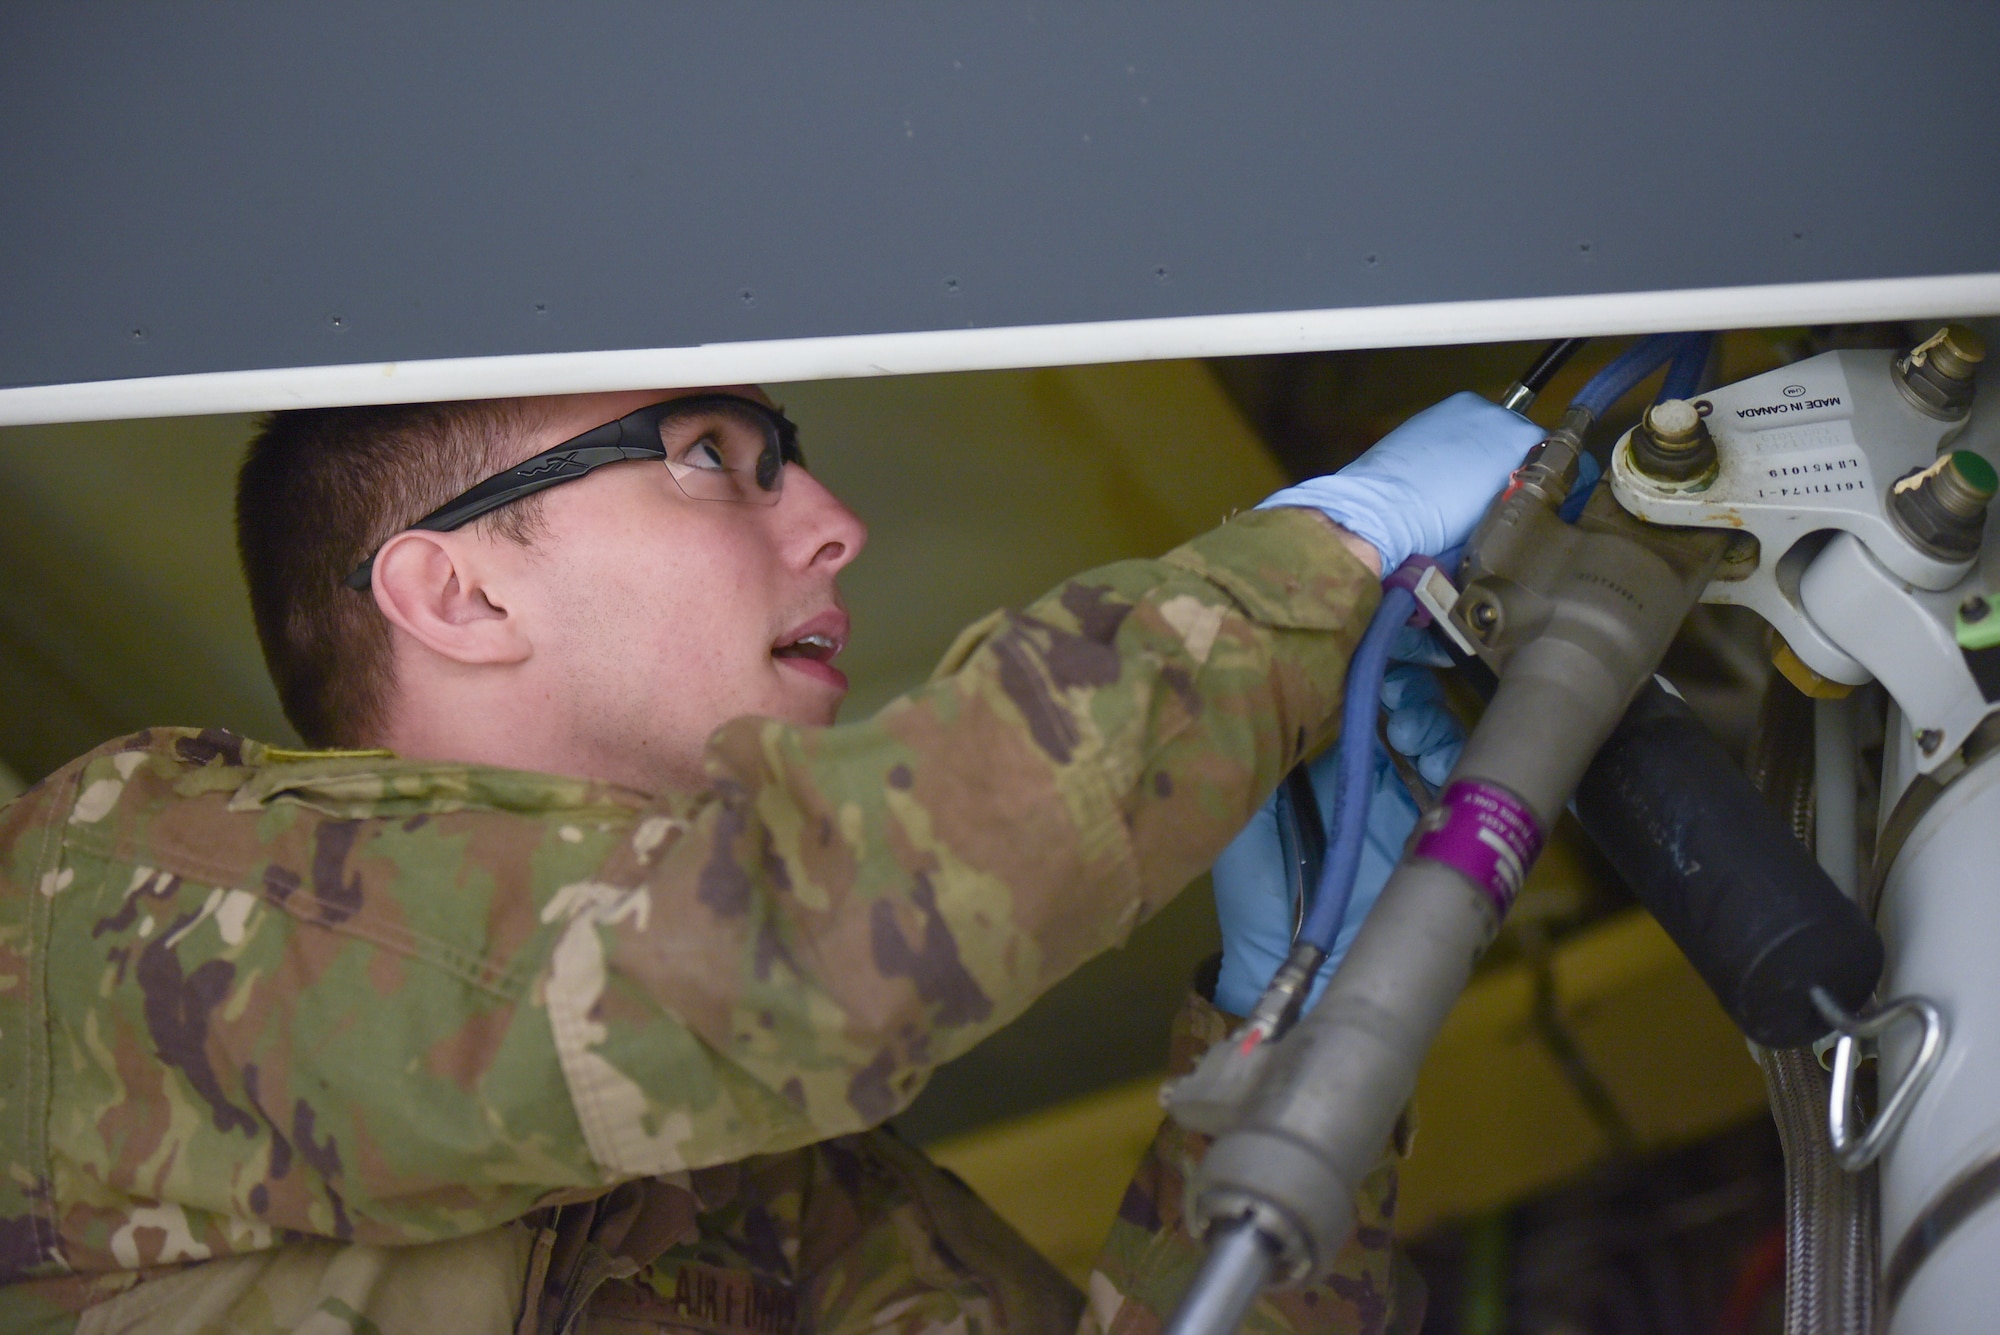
{"x": 1835, "y": 839}
{"x": 1236, "y": 1269}
{"x": 1596, "y": 604}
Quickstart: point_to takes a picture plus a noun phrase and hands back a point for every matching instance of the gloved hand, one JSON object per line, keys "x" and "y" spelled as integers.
{"x": 1423, "y": 487}
{"x": 1419, "y": 726}
{"x": 1253, "y": 887}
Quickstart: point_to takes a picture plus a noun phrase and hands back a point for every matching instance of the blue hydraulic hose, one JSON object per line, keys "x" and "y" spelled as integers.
{"x": 1328, "y": 909}
{"x": 1356, "y": 762}
{"x": 1690, "y": 364}
{"x": 1625, "y": 372}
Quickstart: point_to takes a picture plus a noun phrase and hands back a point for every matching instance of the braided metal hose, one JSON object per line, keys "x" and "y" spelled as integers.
{"x": 1830, "y": 1214}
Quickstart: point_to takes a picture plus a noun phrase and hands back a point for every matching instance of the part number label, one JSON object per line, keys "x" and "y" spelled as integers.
{"x": 1799, "y": 476}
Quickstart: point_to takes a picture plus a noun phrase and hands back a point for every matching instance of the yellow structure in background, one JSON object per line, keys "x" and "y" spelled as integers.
{"x": 1057, "y": 1174}
{"x": 1497, "y": 1116}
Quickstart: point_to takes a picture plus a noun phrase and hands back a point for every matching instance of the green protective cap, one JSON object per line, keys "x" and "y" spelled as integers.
{"x": 1982, "y": 632}
{"x": 1975, "y": 472}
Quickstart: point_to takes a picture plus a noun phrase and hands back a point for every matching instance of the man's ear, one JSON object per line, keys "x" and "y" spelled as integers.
{"x": 433, "y": 587}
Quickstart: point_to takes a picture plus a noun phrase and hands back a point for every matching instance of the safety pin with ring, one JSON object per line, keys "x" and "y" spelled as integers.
{"x": 1855, "y": 1152}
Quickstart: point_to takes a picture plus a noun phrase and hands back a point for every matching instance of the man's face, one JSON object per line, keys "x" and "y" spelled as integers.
{"x": 655, "y": 617}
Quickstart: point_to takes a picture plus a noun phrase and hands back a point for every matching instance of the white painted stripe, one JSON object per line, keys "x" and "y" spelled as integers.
{"x": 847, "y": 355}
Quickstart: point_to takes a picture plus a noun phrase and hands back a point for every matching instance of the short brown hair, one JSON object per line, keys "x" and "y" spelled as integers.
{"x": 319, "y": 491}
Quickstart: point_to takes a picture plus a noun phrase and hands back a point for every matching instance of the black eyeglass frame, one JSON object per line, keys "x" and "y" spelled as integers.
{"x": 633, "y": 436}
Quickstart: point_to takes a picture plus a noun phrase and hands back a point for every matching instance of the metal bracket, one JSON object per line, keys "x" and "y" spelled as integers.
{"x": 1207, "y": 1099}
{"x": 1807, "y": 457}
{"x": 1904, "y": 637}
{"x": 1853, "y": 1151}
{"x": 1437, "y": 595}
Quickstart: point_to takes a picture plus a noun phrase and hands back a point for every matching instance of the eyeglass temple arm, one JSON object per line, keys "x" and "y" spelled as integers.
{"x": 606, "y": 445}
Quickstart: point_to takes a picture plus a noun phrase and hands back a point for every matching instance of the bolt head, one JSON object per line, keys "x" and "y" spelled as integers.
{"x": 1959, "y": 350}
{"x": 1975, "y": 608}
{"x": 1929, "y": 739}
{"x": 1673, "y": 421}
{"x": 1973, "y": 474}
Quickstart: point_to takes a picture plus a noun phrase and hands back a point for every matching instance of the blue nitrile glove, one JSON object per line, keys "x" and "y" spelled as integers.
{"x": 1425, "y": 485}
{"x": 1419, "y": 726}
{"x": 1253, "y": 898}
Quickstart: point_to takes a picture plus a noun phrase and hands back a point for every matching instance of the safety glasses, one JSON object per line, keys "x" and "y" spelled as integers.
{"x": 717, "y": 447}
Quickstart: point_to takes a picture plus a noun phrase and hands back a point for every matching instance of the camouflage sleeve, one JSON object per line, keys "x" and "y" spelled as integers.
{"x": 245, "y": 992}
{"x": 1150, "y": 1258}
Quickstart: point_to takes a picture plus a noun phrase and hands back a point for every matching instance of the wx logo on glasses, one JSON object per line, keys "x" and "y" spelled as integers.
{"x": 541, "y": 464}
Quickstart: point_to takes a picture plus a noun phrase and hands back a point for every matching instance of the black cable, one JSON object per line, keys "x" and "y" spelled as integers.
{"x": 1554, "y": 357}
{"x": 1302, "y": 838}
{"x": 1536, "y": 378}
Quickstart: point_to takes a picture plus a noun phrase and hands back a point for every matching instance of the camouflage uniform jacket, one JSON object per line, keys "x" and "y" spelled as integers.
{"x": 254, "y": 1003}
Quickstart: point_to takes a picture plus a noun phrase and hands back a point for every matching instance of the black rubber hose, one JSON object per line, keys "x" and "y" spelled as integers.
{"x": 1551, "y": 359}
{"x": 1702, "y": 848}
{"x": 1743, "y": 898}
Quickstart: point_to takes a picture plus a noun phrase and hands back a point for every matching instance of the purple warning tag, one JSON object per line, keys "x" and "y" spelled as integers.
{"x": 1484, "y": 833}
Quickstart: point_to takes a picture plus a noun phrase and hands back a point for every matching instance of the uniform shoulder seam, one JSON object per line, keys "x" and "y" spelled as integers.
{"x": 468, "y": 967}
